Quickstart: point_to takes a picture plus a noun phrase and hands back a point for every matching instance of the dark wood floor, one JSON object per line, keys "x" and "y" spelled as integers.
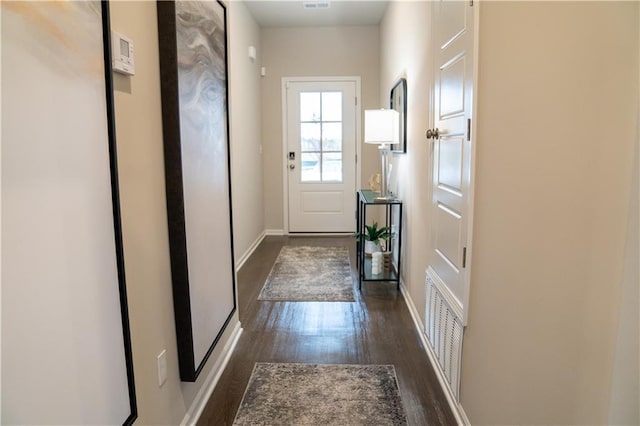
{"x": 375, "y": 329}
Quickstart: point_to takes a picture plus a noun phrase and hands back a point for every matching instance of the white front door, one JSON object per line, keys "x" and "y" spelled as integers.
{"x": 321, "y": 155}
{"x": 452, "y": 156}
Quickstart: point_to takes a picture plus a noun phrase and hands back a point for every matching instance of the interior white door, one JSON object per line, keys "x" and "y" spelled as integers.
{"x": 321, "y": 155}
{"x": 452, "y": 144}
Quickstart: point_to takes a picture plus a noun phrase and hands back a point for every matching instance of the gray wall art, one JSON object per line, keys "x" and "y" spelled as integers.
{"x": 193, "y": 68}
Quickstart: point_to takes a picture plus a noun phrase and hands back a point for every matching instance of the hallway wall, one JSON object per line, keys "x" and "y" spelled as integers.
{"x": 142, "y": 185}
{"x": 246, "y": 129}
{"x": 556, "y": 129}
{"x": 405, "y": 48}
{"x": 311, "y": 51}
{"x": 555, "y": 141}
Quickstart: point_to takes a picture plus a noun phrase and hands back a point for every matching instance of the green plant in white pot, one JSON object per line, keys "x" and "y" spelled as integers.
{"x": 373, "y": 237}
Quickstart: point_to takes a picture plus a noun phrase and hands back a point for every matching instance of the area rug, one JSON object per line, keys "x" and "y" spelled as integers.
{"x": 310, "y": 274}
{"x": 320, "y": 394}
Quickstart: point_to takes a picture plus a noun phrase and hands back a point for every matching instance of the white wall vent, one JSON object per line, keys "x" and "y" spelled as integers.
{"x": 316, "y": 4}
{"x": 444, "y": 331}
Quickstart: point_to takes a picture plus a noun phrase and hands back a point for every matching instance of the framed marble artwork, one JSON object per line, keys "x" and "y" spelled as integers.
{"x": 193, "y": 69}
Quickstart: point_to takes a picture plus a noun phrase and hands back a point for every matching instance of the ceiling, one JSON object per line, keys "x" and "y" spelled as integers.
{"x": 291, "y": 13}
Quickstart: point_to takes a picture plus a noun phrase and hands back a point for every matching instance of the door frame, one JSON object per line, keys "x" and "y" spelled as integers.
{"x": 358, "y": 124}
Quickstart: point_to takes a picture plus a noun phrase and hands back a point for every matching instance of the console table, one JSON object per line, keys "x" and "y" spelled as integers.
{"x": 392, "y": 207}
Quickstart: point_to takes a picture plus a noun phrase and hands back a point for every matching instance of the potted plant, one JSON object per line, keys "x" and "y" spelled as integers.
{"x": 373, "y": 237}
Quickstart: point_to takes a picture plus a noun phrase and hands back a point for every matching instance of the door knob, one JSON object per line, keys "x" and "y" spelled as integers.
{"x": 292, "y": 166}
{"x": 433, "y": 133}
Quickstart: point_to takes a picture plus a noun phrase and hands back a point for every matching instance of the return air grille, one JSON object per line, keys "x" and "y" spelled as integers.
{"x": 316, "y": 4}
{"x": 444, "y": 331}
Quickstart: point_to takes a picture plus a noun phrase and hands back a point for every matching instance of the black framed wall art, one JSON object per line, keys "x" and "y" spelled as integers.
{"x": 193, "y": 68}
{"x": 398, "y": 102}
{"x": 66, "y": 344}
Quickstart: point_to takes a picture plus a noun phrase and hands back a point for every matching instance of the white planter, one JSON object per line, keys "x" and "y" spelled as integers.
{"x": 371, "y": 247}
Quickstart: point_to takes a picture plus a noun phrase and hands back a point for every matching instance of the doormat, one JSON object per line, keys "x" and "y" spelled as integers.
{"x": 320, "y": 274}
{"x": 320, "y": 394}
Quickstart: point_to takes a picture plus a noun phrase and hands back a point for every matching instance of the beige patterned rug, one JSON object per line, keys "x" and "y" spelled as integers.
{"x": 304, "y": 273}
{"x": 318, "y": 394}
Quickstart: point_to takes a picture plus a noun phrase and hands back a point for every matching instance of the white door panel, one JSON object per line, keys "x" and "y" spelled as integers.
{"x": 453, "y": 84}
{"x": 321, "y": 155}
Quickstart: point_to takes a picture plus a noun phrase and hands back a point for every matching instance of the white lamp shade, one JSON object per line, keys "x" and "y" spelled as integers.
{"x": 381, "y": 126}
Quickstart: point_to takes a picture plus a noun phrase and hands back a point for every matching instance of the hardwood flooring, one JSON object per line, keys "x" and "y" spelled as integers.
{"x": 375, "y": 329}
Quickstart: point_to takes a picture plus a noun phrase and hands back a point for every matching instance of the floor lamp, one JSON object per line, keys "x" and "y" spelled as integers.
{"x": 382, "y": 127}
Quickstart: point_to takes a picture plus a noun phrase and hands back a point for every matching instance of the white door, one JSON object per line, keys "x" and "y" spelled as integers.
{"x": 452, "y": 156}
{"x": 321, "y": 155}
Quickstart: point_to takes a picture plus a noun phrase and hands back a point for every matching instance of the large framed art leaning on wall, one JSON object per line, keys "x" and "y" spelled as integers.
{"x": 193, "y": 68}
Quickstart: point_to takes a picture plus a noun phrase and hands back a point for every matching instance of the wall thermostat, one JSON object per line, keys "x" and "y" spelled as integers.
{"x": 122, "y": 54}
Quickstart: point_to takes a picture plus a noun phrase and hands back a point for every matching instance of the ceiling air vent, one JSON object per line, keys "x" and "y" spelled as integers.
{"x": 316, "y": 4}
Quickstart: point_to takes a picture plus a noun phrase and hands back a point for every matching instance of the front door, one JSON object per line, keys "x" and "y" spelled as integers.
{"x": 321, "y": 155}
{"x": 452, "y": 143}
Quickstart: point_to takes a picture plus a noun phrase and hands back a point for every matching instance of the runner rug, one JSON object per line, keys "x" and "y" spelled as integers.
{"x": 310, "y": 274}
{"x": 320, "y": 394}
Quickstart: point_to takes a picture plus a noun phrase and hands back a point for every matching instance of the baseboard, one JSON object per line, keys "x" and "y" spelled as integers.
{"x": 247, "y": 254}
{"x": 321, "y": 234}
{"x": 195, "y": 411}
{"x": 456, "y": 408}
{"x": 277, "y": 232}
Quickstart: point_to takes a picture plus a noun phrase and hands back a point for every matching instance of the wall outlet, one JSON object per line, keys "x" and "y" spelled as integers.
{"x": 162, "y": 368}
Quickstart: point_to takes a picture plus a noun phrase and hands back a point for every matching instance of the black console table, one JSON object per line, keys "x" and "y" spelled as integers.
{"x": 364, "y": 199}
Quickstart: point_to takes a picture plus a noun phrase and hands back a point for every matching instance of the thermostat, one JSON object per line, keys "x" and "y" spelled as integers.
{"x": 122, "y": 54}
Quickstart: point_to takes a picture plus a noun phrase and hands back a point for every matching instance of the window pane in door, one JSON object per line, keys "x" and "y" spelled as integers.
{"x": 332, "y": 167}
{"x": 310, "y": 167}
{"x": 310, "y": 106}
{"x": 332, "y": 106}
{"x": 309, "y": 137}
{"x": 332, "y": 136}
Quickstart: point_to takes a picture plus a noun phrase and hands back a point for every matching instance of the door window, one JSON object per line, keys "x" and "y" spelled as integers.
{"x": 321, "y": 136}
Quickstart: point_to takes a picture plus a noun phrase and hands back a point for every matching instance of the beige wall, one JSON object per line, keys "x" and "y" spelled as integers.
{"x": 245, "y": 132}
{"x": 625, "y": 392}
{"x": 555, "y": 142}
{"x": 405, "y": 52}
{"x": 144, "y": 220}
{"x": 557, "y": 97}
{"x": 300, "y": 52}
{"x": 625, "y": 389}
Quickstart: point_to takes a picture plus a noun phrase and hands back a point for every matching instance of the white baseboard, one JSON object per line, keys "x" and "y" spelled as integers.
{"x": 274, "y": 232}
{"x": 250, "y": 251}
{"x": 456, "y": 408}
{"x": 323, "y": 234}
{"x": 195, "y": 411}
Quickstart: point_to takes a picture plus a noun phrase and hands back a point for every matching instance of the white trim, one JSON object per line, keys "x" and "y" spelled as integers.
{"x": 274, "y": 232}
{"x": 456, "y": 407}
{"x": 285, "y": 179}
{"x": 320, "y": 234}
{"x": 250, "y": 251}
{"x": 474, "y": 143}
{"x": 202, "y": 397}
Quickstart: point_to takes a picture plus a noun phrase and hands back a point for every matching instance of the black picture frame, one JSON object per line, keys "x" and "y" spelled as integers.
{"x": 65, "y": 277}
{"x": 208, "y": 63}
{"x": 117, "y": 218}
{"x": 398, "y": 102}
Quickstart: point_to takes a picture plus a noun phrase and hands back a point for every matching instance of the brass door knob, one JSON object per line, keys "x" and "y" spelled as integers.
{"x": 433, "y": 133}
